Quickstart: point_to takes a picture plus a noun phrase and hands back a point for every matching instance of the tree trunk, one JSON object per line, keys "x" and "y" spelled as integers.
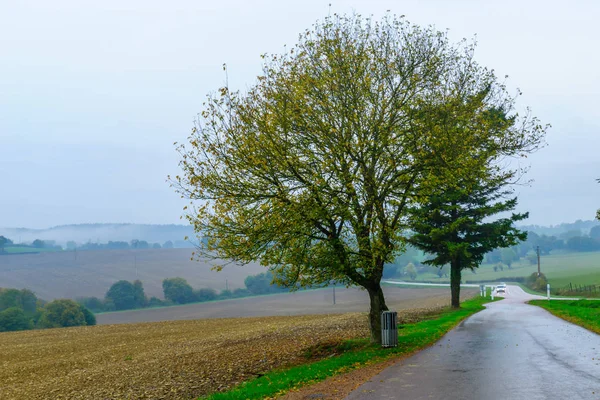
{"x": 455, "y": 275}
{"x": 377, "y": 307}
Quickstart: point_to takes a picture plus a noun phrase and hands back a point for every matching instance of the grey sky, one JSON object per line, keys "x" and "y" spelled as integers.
{"x": 93, "y": 94}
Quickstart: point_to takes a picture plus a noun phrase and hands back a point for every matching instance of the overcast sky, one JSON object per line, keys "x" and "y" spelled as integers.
{"x": 93, "y": 94}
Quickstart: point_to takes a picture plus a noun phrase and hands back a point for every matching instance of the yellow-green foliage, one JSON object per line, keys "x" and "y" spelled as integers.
{"x": 312, "y": 170}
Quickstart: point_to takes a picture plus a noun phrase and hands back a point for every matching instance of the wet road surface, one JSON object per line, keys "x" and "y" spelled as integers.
{"x": 511, "y": 350}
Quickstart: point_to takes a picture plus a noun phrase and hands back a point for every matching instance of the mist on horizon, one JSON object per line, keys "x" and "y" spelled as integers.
{"x": 92, "y": 96}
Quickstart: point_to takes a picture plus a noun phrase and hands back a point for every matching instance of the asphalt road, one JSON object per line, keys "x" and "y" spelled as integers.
{"x": 511, "y": 350}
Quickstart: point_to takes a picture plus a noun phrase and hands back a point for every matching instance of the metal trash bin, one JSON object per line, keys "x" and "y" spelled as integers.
{"x": 389, "y": 329}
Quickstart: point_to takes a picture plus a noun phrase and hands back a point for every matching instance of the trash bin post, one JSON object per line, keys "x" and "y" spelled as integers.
{"x": 389, "y": 329}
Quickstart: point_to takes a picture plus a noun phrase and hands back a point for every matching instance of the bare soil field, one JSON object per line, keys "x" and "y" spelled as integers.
{"x": 180, "y": 359}
{"x": 164, "y": 360}
{"x": 69, "y": 274}
{"x": 299, "y": 303}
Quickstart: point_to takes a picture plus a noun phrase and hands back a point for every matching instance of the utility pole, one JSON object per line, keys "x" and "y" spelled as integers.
{"x": 538, "y": 257}
{"x": 226, "y": 285}
{"x": 135, "y": 265}
{"x": 333, "y": 292}
{"x": 332, "y": 283}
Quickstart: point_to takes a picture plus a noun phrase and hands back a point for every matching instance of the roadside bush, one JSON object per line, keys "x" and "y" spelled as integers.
{"x": 537, "y": 283}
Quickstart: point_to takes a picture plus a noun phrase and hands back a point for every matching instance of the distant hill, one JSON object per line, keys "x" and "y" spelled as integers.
{"x": 103, "y": 233}
{"x": 553, "y": 230}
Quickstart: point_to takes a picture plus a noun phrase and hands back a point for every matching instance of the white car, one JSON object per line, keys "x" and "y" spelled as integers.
{"x": 501, "y": 288}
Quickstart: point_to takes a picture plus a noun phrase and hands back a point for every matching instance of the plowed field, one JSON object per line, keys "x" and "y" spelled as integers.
{"x": 166, "y": 360}
{"x": 163, "y": 360}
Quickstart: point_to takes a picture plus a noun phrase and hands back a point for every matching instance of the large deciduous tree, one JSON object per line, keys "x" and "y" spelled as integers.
{"x": 313, "y": 170}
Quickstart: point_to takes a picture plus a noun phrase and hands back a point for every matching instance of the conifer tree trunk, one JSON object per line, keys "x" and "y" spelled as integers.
{"x": 455, "y": 276}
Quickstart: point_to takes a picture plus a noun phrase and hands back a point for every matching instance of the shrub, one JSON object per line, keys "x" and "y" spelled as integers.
{"x": 125, "y": 295}
{"x": 178, "y": 290}
{"x": 90, "y": 318}
{"x": 62, "y": 313}
{"x": 14, "y": 319}
{"x": 537, "y": 283}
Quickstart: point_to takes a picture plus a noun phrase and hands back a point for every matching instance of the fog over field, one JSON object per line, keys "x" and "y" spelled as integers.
{"x": 70, "y": 274}
{"x": 102, "y": 233}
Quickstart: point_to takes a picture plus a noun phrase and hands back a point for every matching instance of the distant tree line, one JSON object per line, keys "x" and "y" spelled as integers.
{"x": 125, "y": 295}
{"x": 119, "y": 245}
{"x": 37, "y": 244}
{"x": 556, "y": 230}
{"x": 22, "y": 310}
{"x": 6, "y": 243}
{"x": 570, "y": 241}
{"x": 409, "y": 264}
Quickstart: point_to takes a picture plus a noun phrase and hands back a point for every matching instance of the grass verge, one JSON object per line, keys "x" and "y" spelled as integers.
{"x": 585, "y": 313}
{"x": 411, "y": 337}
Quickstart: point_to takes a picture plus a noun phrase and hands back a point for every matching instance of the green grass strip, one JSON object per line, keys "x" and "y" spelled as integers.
{"x": 411, "y": 337}
{"x": 585, "y": 313}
